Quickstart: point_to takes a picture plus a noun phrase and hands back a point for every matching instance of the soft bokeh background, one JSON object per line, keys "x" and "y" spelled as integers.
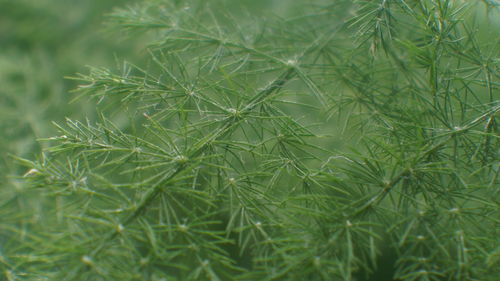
{"x": 41, "y": 43}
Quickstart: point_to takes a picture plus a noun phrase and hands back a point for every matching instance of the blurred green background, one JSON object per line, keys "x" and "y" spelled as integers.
{"x": 41, "y": 43}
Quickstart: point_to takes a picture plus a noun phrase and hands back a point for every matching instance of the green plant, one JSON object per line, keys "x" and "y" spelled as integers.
{"x": 345, "y": 141}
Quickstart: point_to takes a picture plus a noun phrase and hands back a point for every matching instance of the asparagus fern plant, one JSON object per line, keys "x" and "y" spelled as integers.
{"x": 279, "y": 140}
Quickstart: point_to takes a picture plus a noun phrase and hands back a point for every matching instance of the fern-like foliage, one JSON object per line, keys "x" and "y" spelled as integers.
{"x": 344, "y": 141}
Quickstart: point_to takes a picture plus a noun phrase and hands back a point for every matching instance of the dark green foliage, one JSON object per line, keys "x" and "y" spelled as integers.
{"x": 276, "y": 140}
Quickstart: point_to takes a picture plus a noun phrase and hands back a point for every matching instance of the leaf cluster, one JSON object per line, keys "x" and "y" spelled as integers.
{"x": 312, "y": 145}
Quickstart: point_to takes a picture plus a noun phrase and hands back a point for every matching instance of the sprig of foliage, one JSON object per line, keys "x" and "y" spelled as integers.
{"x": 311, "y": 146}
